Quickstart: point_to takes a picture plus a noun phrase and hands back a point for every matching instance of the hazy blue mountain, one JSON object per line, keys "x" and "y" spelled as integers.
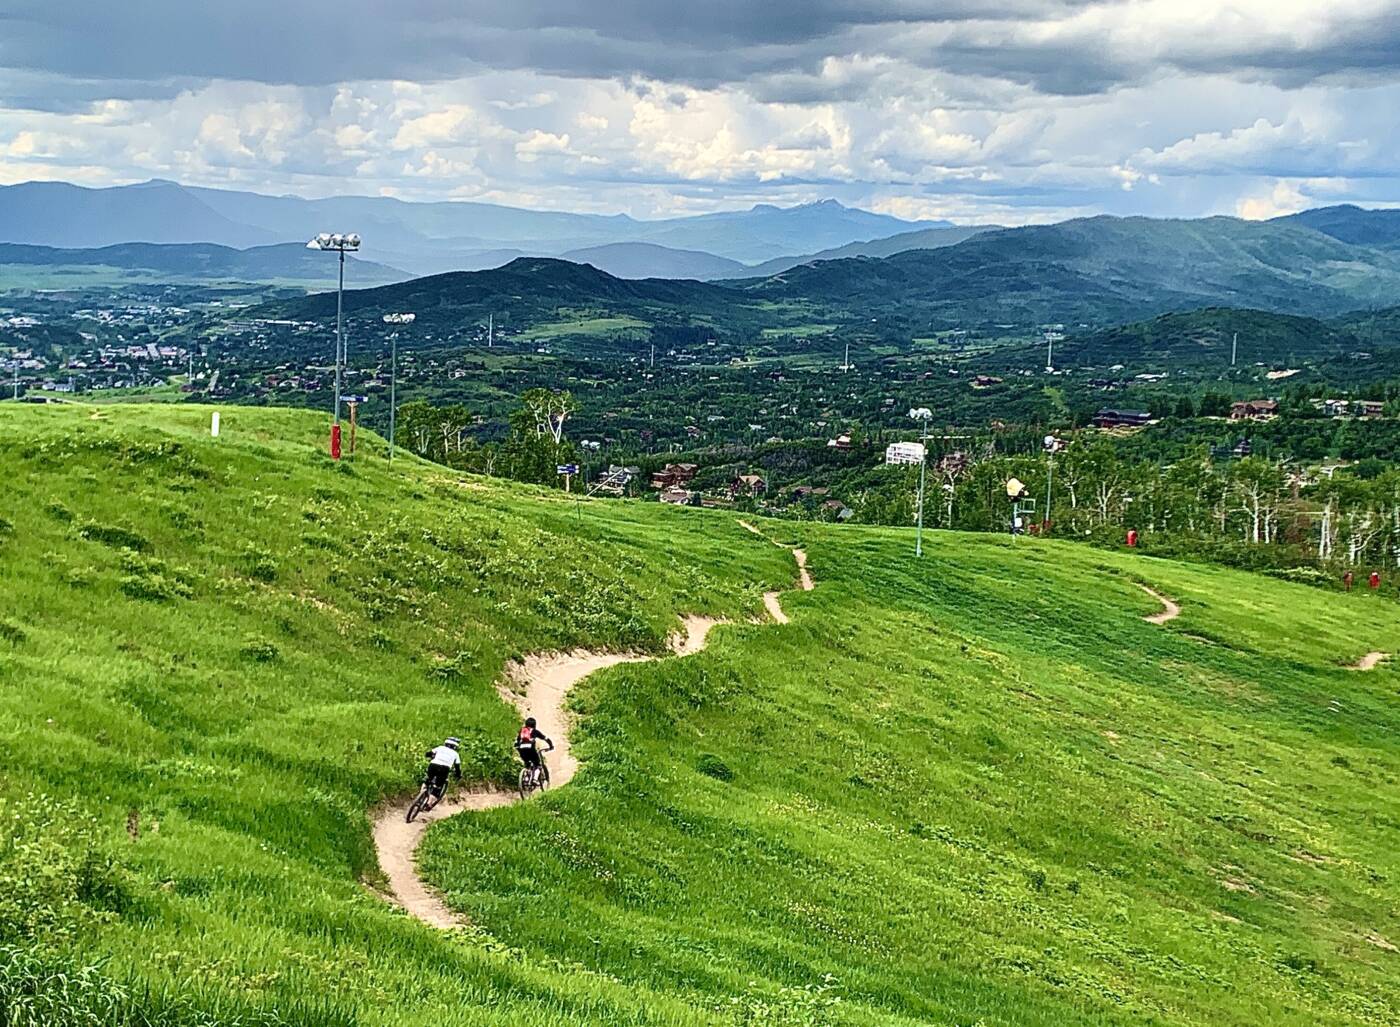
{"x": 922, "y": 239}
{"x": 764, "y": 231}
{"x": 421, "y": 237}
{"x": 1101, "y": 270}
{"x": 1350, "y": 224}
{"x": 59, "y": 214}
{"x": 648, "y": 260}
{"x": 198, "y": 261}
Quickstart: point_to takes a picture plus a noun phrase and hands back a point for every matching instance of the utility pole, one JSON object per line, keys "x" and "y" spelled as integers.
{"x": 922, "y": 415}
{"x": 1234, "y": 348}
{"x": 395, "y": 320}
{"x": 653, "y": 356}
{"x": 1049, "y": 352}
{"x": 490, "y": 330}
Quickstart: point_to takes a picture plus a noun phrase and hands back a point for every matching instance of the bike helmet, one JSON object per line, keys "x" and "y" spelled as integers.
{"x": 529, "y": 721}
{"x": 452, "y": 743}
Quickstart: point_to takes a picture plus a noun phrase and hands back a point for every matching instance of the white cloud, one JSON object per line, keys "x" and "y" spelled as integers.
{"x": 1284, "y": 198}
{"x": 1061, "y": 109}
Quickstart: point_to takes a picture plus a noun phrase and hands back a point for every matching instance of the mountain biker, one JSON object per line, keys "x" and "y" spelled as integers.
{"x": 442, "y": 761}
{"x": 527, "y": 745}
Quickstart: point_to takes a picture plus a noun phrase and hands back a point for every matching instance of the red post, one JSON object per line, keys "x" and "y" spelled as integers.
{"x": 1347, "y": 579}
{"x": 335, "y": 442}
{"x": 1375, "y": 580}
{"x": 1132, "y": 539}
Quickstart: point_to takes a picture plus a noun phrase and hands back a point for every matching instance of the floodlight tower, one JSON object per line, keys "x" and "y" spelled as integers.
{"x": 923, "y": 415}
{"x": 342, "y": 244}
{"x": 396, "y": 320}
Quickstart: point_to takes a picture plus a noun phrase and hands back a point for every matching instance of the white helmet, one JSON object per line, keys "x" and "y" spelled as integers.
{"x": 452, "y": 743}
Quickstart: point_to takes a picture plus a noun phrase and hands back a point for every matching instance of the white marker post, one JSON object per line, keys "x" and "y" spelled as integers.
{"x": 214, "y": 424}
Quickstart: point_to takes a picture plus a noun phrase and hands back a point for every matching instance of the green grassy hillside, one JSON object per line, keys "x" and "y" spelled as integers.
{"x": 974, "y": 789}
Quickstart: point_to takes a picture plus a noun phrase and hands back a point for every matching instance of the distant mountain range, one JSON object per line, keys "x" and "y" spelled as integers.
{"x": 1093, "y": 271}
{"x": 1350, "y": 224}
{"x": 419, "y": 237}
{"x": 178, "y": 262}
{"x": 1101, "y": 270}
{"x": 648, "y": 260}
{"x": 922, "y": 239}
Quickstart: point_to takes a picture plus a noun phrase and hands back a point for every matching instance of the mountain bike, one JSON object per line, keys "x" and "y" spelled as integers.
{"x": 533, "y": 778}
{"x": 428, "y": 797}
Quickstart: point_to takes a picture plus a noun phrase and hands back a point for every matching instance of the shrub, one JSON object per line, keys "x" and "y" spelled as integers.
{"x": 260, "y": 566}
{"x": 150, "y": 578}
{"x": 12, "y": 633}
{"x": 156, "y": 587}
{"x": 712, "y": 766}
{"x": 59, "y": 512}
{"x": 55, "y": 875}
{"x": 260, "y": 650}
{"x": 115, "y": 536}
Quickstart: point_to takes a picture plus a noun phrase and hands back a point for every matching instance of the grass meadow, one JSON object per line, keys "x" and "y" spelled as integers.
{"x": 972, "y": 789}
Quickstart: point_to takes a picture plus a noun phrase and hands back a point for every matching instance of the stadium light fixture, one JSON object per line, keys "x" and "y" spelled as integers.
{"x": 341, "y": 243}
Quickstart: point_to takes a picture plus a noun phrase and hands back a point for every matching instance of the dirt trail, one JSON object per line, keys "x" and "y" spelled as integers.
{"x": 1170, "y": 610}
{"x": 771, "y": 600}
{"x": 1370, "y": 661}
{"x": 538, "y": 687}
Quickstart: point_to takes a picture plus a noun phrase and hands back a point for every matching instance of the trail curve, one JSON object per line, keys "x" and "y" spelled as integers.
{"x": 538, "y": 686}
{"x": 1170, "y": 610}
{"x": 1370, "y": 661}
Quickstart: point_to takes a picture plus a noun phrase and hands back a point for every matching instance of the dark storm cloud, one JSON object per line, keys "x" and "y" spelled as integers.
{"x": 123, "y": 47}
{"x": 138, "y": 48}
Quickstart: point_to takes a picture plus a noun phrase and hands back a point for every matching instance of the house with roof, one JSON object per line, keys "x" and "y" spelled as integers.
{"x": 674, "y": 475}
{"x": 1114, "y": 418}
{"x": 750, "y": 485}
{"x": 1254, "y": 410}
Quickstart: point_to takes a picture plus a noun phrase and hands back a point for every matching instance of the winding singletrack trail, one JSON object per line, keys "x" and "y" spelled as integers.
{"x": 771, "y": 600}
{"x": 1170, "y": 610}
{"x": 1370, "y": 661}
{"x": 538, "y": 687}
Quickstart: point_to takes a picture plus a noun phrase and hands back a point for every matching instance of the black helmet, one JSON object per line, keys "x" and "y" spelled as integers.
{"x": 529, "y": 721}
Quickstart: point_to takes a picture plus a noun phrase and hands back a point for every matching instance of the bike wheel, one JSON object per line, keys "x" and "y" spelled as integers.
{"x": 416, "y": 807}
{"x": 525, "y": 783}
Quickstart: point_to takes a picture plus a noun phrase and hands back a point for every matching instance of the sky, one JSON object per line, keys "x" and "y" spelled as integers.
{"x": 981, "y": 113}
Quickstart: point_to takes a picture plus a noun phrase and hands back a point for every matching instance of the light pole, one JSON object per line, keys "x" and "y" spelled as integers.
{"x": 922, "y": 415}
{"x": 340, "y": 243}
{"x": 395, "y": 319}
{"x": 1052, "y": 446}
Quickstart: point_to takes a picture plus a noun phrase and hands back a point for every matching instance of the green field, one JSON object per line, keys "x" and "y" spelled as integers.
{"x": 973, "y": 789}
{"x": 624, "y": 326}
